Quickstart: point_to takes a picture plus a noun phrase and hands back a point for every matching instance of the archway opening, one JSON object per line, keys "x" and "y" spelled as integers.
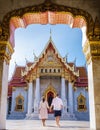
{"x": 50, "y": 96}
{"x": 48, "y": 17}
{"x": 68, "y": 42}
{"x": 76, "y": 23}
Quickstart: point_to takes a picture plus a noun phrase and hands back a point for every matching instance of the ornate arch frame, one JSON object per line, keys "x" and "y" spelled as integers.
{"x": 44, "y": 7}
{"x": 21, "y": 104}
{"x": 81, "y": 101}
{"x": 50, "y": 88}
{"x": 91, "y": 48}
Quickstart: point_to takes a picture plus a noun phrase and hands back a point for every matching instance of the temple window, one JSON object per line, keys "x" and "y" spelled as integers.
{"x": 45, "y": 70}
{"x": 54, "y": 70}
{"x": 50, "y": 70}
{"x": 19, "y": 103}
{"x": 81, "y": 103}
{"x": 41, "y": 70}
{"x": 59, "y": 70}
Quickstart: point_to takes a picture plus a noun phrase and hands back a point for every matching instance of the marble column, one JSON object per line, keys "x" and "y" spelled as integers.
{"x": 63, "y": 94}
{"x": 13, "y": 103}
{"x": 94, "y": 93}
{"x": 70, "y": 98}
{"x": 91, "y": 50}
{"x": 30, "y": 98}
{"x": 5, "y": 54}
{"x": 37, "y": 95}
{"x": 3, "y": 93}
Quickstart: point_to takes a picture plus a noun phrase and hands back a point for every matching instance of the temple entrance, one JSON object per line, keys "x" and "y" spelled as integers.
{"x": 50, "y": 96}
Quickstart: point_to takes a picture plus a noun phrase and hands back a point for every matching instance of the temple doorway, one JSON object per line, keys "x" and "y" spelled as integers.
{"x": 50, "y": 96}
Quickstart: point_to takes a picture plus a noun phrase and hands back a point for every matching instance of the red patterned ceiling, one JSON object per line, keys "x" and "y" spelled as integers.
{"x": 45, "y": 18}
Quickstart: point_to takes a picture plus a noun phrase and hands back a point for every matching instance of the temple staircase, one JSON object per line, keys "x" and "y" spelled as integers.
{"x": 67, "y": 116}
{"x": 17, "y": 115}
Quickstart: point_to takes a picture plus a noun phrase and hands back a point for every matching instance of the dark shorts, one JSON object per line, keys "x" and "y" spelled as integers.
{"x": 57, "y": 113}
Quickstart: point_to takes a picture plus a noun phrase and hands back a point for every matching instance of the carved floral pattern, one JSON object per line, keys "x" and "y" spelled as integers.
{"x": 46, "y": 6}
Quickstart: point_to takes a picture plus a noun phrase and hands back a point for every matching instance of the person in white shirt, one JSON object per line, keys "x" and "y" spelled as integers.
{"x": 57, "y": 106}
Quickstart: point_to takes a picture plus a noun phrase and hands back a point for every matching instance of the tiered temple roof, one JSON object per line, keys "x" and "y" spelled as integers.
{"x": 18, "y": 80}
{"x": 79, "y": 74}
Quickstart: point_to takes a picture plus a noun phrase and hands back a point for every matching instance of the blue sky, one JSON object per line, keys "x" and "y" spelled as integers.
{"x": 35, "y": 37}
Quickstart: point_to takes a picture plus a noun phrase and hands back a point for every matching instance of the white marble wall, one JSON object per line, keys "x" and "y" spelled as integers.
{"x": 56, "y": 83}
{"x": 16, "y": 92}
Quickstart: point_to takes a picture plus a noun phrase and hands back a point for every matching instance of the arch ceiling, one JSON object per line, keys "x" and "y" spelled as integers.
{"x": 47, "y": 12}
{"x": 45, "y": 18}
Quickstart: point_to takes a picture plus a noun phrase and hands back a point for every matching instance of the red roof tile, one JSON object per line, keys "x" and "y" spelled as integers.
{"x": 17, "y": 80}
{"x": 82, "y": 80}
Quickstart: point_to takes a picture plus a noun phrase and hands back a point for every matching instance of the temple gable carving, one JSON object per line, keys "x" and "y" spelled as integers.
{"x": 50, "y": 60}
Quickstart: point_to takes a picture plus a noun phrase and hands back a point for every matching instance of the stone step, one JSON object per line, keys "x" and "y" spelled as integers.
{"x": 34, "y": 116}
{"x": 16, "y": 115}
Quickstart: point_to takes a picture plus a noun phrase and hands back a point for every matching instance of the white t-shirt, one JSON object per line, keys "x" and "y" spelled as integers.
{"x": 57, "y": 103}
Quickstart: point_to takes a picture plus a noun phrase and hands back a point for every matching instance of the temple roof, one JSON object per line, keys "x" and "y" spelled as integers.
{"x": 16, "y": 80}
{"x": 82, "y": 71}
{"x": 50, "y": 45}
{"x": 82, "y": 80}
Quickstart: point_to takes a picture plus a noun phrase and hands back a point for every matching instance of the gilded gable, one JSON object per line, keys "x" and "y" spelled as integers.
{"x": 50, "y": 59}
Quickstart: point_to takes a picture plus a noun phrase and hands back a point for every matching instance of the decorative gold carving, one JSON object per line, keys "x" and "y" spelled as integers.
{"x": 0, "y": 30}
{"x": 50, "y": 88}
{"x": 97, "y": 27}
{"x": 5, "y": 51}
{"x": 91, "y": 50}
{"x": 95, "y": 35}
{"x": 95, "y": 48}
{"x": 48, "y": 64}
{"x": 81, "y": 103}
{"x": 46, "y": 6}
{"x": 19, "y": 103}
{"x": 86, "y": 50}
{"x": 50, "y": 60}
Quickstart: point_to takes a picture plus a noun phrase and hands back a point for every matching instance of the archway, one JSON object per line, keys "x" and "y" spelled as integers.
{"x": 50, "y": 96}
{"x": 76, "y": 18}
{"x": 50, "y": 93}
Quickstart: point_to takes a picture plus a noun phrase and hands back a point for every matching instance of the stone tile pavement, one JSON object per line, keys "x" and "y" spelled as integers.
{"x": 50, "y": 125}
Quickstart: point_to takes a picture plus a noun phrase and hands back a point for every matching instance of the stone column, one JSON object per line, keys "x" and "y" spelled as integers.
{"x": 70, "y": 98}
{"x": 13, "y": 103}
{"x": 30, "y": 98}
{"x": 63, "y": 94}
{"x": 92, "y": 52}
{"x": 5, "y": 55}
{"x": 37, "y": 95}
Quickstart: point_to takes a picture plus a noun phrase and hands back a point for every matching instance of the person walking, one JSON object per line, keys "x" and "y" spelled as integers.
{"x": 57, "y": 106}
{"x": 43, "y": 110}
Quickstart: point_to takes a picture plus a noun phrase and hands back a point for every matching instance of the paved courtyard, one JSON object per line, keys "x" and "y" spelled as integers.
{"x": 50, "y": 125}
